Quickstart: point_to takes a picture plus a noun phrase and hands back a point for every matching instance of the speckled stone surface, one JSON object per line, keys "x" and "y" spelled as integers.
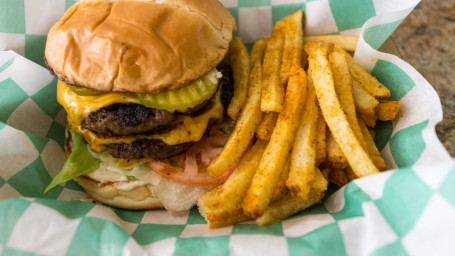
{"x": 426, "y": 40}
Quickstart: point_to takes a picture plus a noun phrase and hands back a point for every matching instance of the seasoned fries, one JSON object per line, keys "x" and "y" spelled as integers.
{"x": 286, "y": 207}
{"x": 237, "y": 184}
{"x": 334, "y": 115}
{"x": 368, "y": 118}
{"x": 265, "y": 128}
{"x": 348, "y": 43}
{"x": 334, "y": 153}
{"x": 303, "y": 156}
{"x": 366, "y": 80}
{"x": 221, "y": 206}
{"x": 364, "y": 102}
{"x": 215, "y": 213}
{"x": 257, "y": 53}
{"x": 350, "y": 175}
{"x": 272, "y": 92}
{"x": 244, "y": 130}
{"x": 312, "y": 46}
{"x": 315, "y": 133}
{"x": 264, "y": 181}
{"x": 388, "y": 110}
{"x": 241, "y": 69}
{"x": 281, "y": 190}
{"x": 338, "y": 177}
{"x": 343, "y": 88}
{"x": 372, "y": 149}
{"x": 293, "y": 44}
{"x": 321, "y": 139}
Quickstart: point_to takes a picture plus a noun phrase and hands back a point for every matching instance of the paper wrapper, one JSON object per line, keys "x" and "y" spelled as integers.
{"x": 406, "y": 211}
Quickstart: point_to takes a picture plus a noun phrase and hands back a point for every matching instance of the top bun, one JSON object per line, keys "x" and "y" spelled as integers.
{"x": 138, "y": 46}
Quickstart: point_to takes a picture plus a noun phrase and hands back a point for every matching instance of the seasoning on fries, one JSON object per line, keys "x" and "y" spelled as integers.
{"x": 264, "y": 181}
{"x": 245, "y": 128}
{"x": 272, "y": 93}
{"x": 334, "y": 115}
{"x": 241, "y": 69}
{"x": 348, "y": 43}
{"x": 315, "y": 133}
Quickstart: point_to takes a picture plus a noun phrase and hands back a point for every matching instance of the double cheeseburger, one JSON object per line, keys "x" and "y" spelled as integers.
{"x": 143, "y": 83}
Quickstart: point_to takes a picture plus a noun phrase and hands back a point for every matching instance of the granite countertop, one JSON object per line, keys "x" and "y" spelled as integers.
{"x": 426, "y": 40}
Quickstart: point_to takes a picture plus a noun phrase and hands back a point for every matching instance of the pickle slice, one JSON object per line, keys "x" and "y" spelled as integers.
{"x": 186, "y": 97}
{"x": 83, "y": 91}
{"x": 178, "y": 100}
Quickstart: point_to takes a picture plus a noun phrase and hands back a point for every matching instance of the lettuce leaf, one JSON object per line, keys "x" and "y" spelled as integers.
{"x": 79, "y": 162}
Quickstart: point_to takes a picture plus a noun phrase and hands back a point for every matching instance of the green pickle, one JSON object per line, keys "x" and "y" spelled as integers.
{"x": 186, "y": 97}
{"x": 178, "y": 100}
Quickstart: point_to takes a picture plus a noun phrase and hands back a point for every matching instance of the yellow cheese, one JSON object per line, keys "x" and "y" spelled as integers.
{"x": 79, "y": 107}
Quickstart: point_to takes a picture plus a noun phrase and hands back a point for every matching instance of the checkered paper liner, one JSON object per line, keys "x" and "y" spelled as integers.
{"x": 407, "y": 211}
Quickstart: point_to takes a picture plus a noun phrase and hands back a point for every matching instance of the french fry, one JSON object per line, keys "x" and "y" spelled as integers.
{"x": 334, "y": 115}
{"x": 221, "y": 206}
{"x": 334, "y": 153}
{"x": 309, "y": 129}
{"x": 388, "y": 110}
{"x": 321, "y": 139}
{"x": 368, "y": 119}
{"x": 373, "y": 151}
{"x": 257, "y": 52}
{"x": 239, "y": 181}
{"x": 350, "y": 175}
{"x": 266, "y": 126}
{"x": 319, "y": 182}
{"x": 312, "y": 46}
{"x": 288, "y": 206}
{"x": 264, "y": 181}
{"x": 343, "y": 88}
{"x": 348, "y": 43}
{"x": 218, "y": 216}
{"x": 364, "y": 102}
{"x": 245, "y": 128}
{"x": 226, "y": 217}
{"x": 372, "y": 133}
{"x": 272, "y": 92}
{"x": 208, "y": 200}
{"x": 303, "y": 154}
{"x": 338, "y": 177}
{"x": 293, "y": 44}
{"x": 281, "y": 190}
{"x": 241, "y": 69}
{"x": 366, "y": 80}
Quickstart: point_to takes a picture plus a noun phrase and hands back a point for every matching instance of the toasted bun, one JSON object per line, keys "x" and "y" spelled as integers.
{"x": 138, "y": 46}
{"x": 139, "y": 198}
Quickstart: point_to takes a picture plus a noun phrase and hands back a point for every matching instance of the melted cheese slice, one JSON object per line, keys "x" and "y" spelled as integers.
{"x": 79, "y": 107}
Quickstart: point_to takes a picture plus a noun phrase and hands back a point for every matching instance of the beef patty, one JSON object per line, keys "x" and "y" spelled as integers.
{"x": 147, "y": 148}
{"x": 129, "y": 119}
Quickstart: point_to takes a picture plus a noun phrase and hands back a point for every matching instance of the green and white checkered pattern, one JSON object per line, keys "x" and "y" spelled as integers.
{"x": 409, "y": 211}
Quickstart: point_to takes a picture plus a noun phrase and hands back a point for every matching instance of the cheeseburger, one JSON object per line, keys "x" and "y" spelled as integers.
{"x": 144, "y": 85}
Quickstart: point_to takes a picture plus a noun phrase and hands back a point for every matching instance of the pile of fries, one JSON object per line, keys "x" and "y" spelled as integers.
{"x": 304, "y": 109}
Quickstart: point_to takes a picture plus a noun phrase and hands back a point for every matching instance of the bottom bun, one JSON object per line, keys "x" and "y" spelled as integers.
{"x": 138, "y": 198}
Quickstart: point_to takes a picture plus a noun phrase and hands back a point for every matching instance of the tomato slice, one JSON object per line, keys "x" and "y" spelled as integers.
{"x": 185, "y": 177}
{"x": 199, "y": 156}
